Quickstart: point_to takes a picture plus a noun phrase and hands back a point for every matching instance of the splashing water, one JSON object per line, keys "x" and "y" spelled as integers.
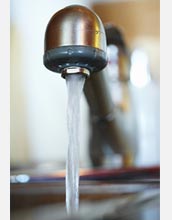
{"x": 75, "y": 84}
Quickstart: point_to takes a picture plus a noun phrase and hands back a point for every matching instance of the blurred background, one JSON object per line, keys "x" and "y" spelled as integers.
{"x": 38, "y": 107}
{"x": 39, "y": 97}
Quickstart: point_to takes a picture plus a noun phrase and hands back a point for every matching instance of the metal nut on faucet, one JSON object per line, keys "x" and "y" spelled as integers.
{"x": 75, "y": 70}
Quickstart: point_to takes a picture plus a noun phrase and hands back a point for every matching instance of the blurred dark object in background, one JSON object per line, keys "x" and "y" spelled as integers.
{"x": 117, "y": 148}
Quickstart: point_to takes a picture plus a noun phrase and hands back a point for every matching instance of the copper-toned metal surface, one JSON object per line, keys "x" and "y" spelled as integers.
{"x": 75, "y": 70}
{"x": 75, "y": 25}
{"x": 75, "y": 37}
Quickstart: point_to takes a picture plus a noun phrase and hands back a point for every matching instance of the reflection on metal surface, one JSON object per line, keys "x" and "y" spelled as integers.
{"x": 75, "y": 37}
{"x": 75, "y": 70}
{"x": 75, "y": 25}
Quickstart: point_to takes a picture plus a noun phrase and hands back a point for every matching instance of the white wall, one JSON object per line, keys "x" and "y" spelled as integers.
{"x": 38, "y": 96}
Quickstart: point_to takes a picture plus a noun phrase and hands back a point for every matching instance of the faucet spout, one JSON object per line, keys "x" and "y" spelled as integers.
{"x": 75, "y": 42}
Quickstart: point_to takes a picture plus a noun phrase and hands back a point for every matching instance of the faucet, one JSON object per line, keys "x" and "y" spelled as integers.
{"x": 75, "y": 43}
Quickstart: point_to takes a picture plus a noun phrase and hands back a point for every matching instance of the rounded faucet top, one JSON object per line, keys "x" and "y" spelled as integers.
{"x": 75, "y": 25}
{"x": 75, "y": 37}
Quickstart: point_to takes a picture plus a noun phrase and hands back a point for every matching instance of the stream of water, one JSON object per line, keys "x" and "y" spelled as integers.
{"x": 75, "y": 84}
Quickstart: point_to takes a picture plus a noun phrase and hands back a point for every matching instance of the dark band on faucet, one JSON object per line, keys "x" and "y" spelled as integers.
{"x": 82, "y": 56}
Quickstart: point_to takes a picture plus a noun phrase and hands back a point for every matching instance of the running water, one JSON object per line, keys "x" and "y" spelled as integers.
{"x": 75, "y": 84}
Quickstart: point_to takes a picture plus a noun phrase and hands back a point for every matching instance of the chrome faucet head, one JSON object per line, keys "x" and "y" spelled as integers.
{"x": 75, "y": 40}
